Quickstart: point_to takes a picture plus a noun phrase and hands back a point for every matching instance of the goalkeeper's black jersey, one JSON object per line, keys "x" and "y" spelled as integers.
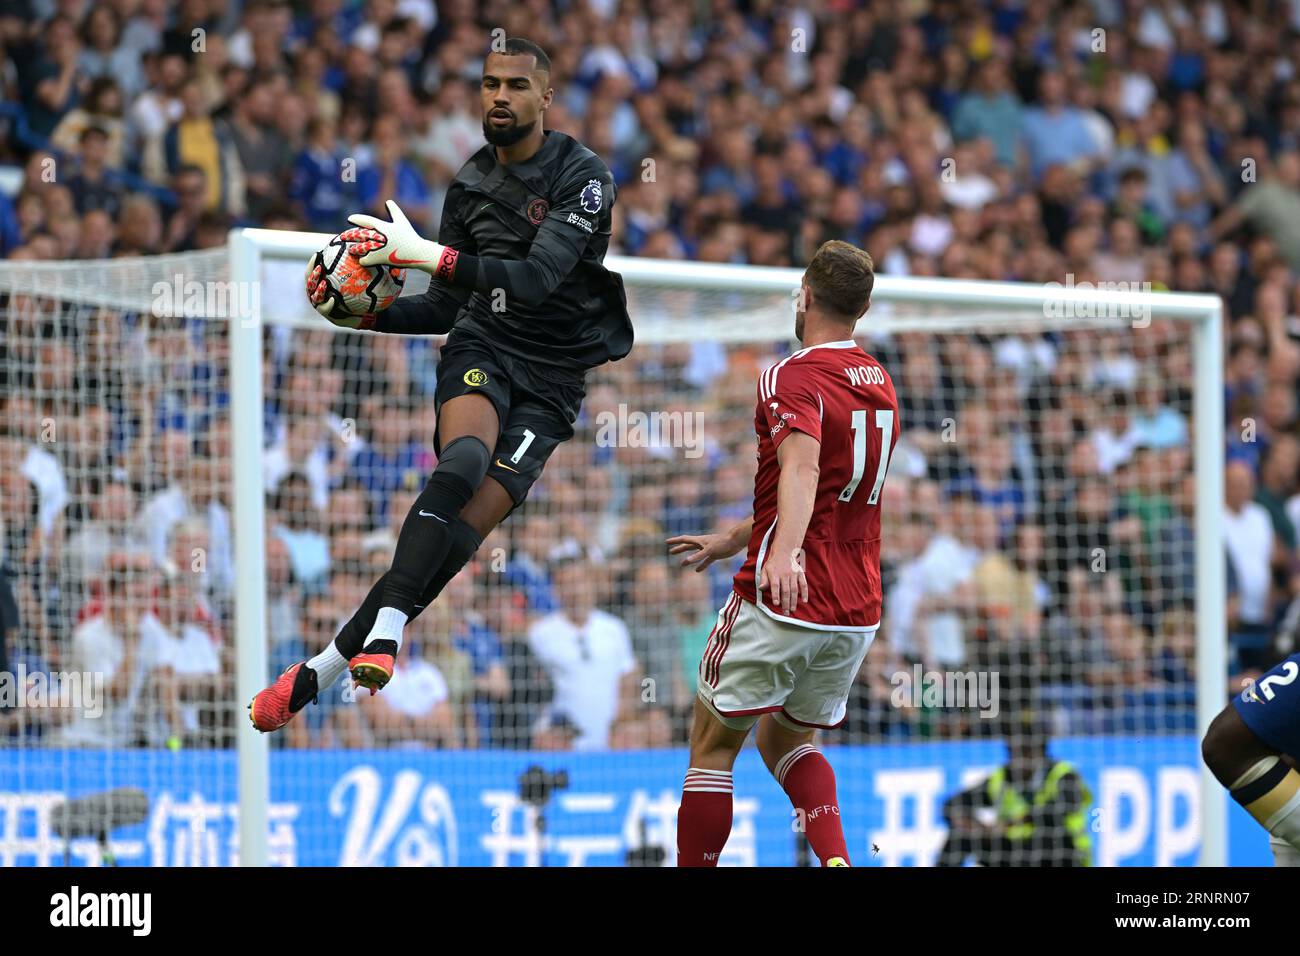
{"x": 530, "y": 240}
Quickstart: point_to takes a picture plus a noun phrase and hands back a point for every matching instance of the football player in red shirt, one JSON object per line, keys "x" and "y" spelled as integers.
{"x": 805, "y": 605}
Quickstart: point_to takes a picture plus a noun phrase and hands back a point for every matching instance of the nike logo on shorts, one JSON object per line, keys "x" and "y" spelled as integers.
{"x": 430, "y": 514}
{"x": 501, "y": 464}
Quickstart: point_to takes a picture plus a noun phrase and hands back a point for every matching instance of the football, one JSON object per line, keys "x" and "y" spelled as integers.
{"x": 358, "y": 289}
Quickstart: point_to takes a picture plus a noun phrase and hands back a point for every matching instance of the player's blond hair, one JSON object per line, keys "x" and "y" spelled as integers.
{"x": 841, "y": 277}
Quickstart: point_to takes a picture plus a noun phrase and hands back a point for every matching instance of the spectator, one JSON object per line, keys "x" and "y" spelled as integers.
{"x": 990, "y": 482}
{"x": 297, "y": 522}
{"x": 102, "y": 109}
{"x": 38, "y": 464}
{"x": 196, "y": 140}
{"x": 1157, "y": 423}
{"x": 320, "y": 184}
{"x": 1251, "y": 550}
{"x": 263, "y": 152}
{"x": 418, "y": 712}
{"x": 283, "y": 605}
{"x": 1278, "y": 478}
{"x": 92, "y": 185}
{"x": 389, "y": 460}
{"x": 588, "y": 655}
{"x": 474, "y": 638}
{"x": 389, "y": 176}
{"x": 104, "y": 56}
{"x": 153, "y": 111}
{"x": 990, "y": 111}
{"x": 110, "y": 528}
{"x": 52, "y": 85}
{"x": 1116, "y": 437}
{"x": 934, "y": 590}
{"x": 1270, "y": 207}
{"x": 201, "y": 682}
{"x": 139, "y": 230}
{"x": 1055, "y": 132}
{"x": 128, "y": 645}
{"x": 191, "y": 187}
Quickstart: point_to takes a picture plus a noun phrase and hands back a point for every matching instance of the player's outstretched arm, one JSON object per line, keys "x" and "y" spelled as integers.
{"x": 701, "y": 550}
{"x": 556, "y": 249}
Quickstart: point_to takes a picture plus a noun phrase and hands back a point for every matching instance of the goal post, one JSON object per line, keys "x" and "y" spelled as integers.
{"x": 272, "y": 262}
{"x": 249, "y": 506}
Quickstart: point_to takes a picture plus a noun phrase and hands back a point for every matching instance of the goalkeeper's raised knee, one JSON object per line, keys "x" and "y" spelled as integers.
{"x": 426, "y": 537}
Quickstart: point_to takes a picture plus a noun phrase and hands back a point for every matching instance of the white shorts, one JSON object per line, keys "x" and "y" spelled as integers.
{"x": 756, "y": 665}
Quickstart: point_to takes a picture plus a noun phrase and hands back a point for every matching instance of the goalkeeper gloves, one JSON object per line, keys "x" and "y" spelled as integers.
{"x": 397, "y": 244}
{"x": 320, "y": 299}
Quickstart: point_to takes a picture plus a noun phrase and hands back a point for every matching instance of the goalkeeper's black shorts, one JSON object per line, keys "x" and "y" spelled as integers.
{"x": 536, "y": 404}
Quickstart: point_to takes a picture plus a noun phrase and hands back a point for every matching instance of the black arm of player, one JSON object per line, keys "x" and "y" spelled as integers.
{"x": 430, "y": 313}
{"x": 556, "y": 249}
{"x": 583, "y": 203}
{"x": 552, "y": 256}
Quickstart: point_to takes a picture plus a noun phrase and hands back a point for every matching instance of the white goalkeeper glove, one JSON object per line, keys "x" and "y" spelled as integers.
{"x": 397, "y": 244}
{"x": 324, "y": 303}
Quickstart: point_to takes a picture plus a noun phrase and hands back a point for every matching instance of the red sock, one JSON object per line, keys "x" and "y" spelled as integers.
{"x": 809, "y": 781}
{"x": 704, "y": 818}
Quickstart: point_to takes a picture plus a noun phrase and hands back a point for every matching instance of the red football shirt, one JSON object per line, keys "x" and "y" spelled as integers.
{"x": 841, "y": 396}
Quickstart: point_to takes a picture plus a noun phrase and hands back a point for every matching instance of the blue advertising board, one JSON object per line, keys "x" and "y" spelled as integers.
{"x": 449, "y": 808}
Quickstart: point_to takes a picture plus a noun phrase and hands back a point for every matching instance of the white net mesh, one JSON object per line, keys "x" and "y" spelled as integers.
{"x": 1037, "y": 554}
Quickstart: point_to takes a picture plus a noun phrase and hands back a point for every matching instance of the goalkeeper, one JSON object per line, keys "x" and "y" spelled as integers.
{"x": 518, "y": 280}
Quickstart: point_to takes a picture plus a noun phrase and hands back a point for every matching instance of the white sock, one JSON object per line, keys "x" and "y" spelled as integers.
{"x": 1284, "y": 824}
{"x": 388, "y": 627}
{"x": 1281, "y": 818}
{"x": 1284, "y": 854}
{"x": 329, "y": 666}
{"x": 707, "y": 781}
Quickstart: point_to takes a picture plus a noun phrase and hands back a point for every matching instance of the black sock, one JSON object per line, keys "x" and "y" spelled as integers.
{"x": 426, "y": 536}
{"x": 464, "y": 542}
{"x": 354, "y": 632}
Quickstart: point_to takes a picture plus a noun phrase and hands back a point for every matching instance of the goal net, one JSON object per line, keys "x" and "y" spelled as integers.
{"x": 201, "y": 480}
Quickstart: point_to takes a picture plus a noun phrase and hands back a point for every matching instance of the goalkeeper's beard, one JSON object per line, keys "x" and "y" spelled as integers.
{"x": 507, "y": 136}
